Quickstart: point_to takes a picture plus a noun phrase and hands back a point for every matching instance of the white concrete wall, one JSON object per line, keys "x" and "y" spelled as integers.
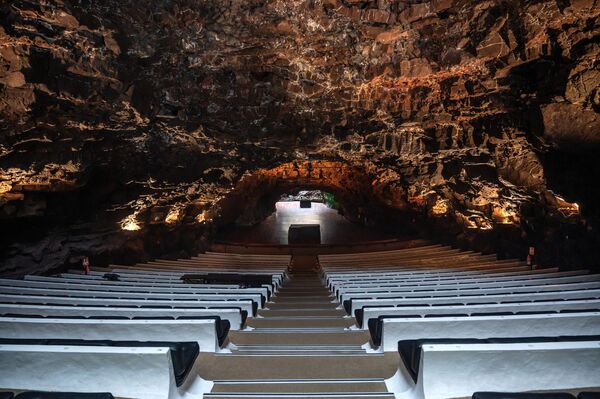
{"x": 451, "y": 371}
{"x": 144, "y": 373}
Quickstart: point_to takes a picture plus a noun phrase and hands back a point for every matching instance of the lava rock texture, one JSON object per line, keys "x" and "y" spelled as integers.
{"x": 132, "y": 129}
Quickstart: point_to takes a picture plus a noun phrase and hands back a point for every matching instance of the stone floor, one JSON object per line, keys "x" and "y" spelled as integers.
{"x": 335, "y": 229}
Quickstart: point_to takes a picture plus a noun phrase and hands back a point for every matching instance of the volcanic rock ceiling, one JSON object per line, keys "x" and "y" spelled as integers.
{"x": 134, "y": 129}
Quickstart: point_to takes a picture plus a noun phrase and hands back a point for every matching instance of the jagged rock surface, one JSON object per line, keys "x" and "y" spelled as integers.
{"x": 466, "y": 120}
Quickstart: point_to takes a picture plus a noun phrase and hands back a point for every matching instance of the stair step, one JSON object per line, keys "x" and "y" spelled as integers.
{"x": 300, "y": 347}
{"x": 302, "y": 305}
{"x": 305, "y": 347}
{"x": 293, "y": 299}
{"x": 340, "y": 395}
{"x": 293, "y": 337}
{"x": 235, "y": 366}
{"x": 301, "y": 386}
{"x": 300, "y": 330}
{"x": 290, "y": 285}
{"x": 311, "y": 317}
{"x": 268, "y": 313}
{"x": 310, "y": 352}
{"x": 300, "y": 322}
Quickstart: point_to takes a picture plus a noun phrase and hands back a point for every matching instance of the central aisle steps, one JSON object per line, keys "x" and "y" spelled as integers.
{"x": 300, "y": 346}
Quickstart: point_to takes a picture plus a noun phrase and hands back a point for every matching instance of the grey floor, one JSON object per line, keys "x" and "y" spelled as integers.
{"x": 335, "y": 229}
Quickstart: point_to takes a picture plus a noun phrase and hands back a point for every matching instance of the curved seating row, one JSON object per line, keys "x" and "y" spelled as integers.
{"x": 135, "y": 332}
{"x": 462, "y": 322}
{"x": 386, "y": 331}
{"x": 210, "y": 332}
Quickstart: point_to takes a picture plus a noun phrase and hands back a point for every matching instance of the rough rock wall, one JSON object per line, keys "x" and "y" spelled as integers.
{"x": 471, "y": 118}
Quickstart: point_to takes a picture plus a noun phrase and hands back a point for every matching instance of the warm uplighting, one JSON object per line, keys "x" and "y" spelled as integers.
{"x": 566, "y": 208}
{"x": 475, "y": 222}
{"x": 130, "y": 223}
{"x": 203, "y": 217}
{"x": 484, "y": 225}
{"x": 441, "y": 207}
{"x": 5, "y": 187}
{"x": 172, "y": 216}
{"x": 504, "y": 216}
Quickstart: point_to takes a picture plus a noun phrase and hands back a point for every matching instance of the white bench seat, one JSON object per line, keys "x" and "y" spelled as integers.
{"x": 532, "y": 325}
{"x": 79, "y": 301}
{"x": 475, "y": 291}
{"x": 204, "y": 332}
{"x": 53, "y": 282}
{"x": 455, "y": 370}
{"x": 70, "y": 292}
{"x": 142, "y": 278}
{"x": 242, "y": 293}
{"x": 459, "y": 282}
{"x": 278, "y": 276}
{"x": 128, "y": 295}
{"x": 126, "y": 372}
{"x": 466, "y": 299}
{"x": 199, "y": 268}
{"x": 550, "y": 306}
{"x": 233, "y": 315}
{"x": 369, "y": 286}
{"x": 374, "y": 276}
{"x": 459, "y": 278}
{"x": 396, "y": 269}
{"x": 343, "y": 295}
{"x": 440, "y": 263}
{"x": 94, "y": 280}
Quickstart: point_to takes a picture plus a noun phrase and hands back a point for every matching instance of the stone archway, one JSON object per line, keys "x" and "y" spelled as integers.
{"x": 356, "y": 188}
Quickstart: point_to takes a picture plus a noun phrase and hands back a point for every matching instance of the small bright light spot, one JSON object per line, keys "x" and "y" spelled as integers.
{"x": 441, "y": 207}
{"x": 568, "y": 209}
{"x": 130, "y": 223}
{"x": 203, "y": 217}
{"x": 5, "y": 187}
{"x": 172, "y": 217}
{"x": 504, "y": 216}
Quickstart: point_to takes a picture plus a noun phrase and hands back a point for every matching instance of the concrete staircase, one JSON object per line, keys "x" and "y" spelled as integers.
{"x": 300, "y": 346}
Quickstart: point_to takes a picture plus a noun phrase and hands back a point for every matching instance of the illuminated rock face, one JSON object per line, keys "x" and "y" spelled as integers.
{"x": 128, "y": 130}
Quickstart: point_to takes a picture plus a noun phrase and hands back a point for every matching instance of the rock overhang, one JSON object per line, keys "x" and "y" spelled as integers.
{"x": 156, "y": 112}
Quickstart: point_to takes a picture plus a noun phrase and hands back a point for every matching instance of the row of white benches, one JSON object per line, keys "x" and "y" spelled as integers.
{"x": 485, "y": 326}
{"x": 136, "y": 332}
